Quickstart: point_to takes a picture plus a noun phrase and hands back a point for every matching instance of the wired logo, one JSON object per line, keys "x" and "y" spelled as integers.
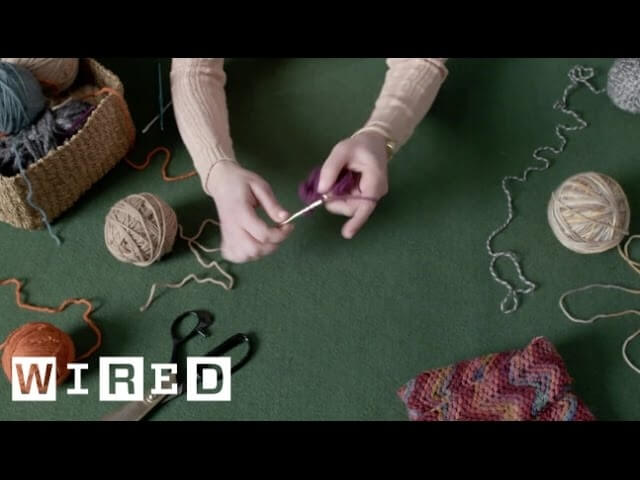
{"x": 40, "y": 382}
{"x": 208, "y": 379}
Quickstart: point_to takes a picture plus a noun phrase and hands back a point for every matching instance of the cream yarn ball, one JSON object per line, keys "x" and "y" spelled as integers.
{"x": 589, "y": 213}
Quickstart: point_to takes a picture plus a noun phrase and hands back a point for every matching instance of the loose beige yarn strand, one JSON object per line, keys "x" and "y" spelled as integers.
{"x": 624, "y": 253}
{"x": 193, "y": 243}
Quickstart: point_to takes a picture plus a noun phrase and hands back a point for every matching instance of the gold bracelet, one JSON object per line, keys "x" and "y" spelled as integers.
{"x": 390, "y": 145}
{"x": 391, "y": 148}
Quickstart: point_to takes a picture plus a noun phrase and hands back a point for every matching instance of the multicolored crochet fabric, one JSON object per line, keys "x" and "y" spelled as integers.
{"x": 528, "y": 384}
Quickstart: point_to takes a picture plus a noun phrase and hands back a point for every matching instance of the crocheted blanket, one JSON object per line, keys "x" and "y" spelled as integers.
{"x": 528, "y": 384}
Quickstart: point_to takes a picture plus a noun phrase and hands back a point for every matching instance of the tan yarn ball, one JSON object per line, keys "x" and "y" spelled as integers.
{"x": 58, "y": 73}
{"x": 589, "y": 213}
{"x": 140, "y": 229}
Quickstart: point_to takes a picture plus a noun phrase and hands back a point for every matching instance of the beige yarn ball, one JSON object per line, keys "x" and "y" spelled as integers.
{"x": 140, "y": 229}
{"x": 589, "y": 213}
{"x": 58, "y": 73}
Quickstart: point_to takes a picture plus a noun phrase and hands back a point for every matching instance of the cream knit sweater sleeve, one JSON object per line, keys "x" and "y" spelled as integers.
{"x": 200, "y": 106}
{"x": 410, "y": 88}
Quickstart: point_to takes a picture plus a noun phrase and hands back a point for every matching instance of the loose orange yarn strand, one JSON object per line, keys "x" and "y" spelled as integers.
{"x": 166, "y": 151}
{"x": 165, "y": 165}
{"x": 71, "y": 301}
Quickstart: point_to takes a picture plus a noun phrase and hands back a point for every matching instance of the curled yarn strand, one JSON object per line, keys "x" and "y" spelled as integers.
{"x": 193, "y": 242}
{"x": 193, "y": 246}
{"x": 167, "y": 160}
{"x": 578, "y": 75}
{"x": 184, "y": 281}
{"x": 86, "y": 316}
{"x": 599, "y": 316}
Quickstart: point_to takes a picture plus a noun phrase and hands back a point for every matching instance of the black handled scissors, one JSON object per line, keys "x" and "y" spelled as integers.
{"x": 134, "y": 411}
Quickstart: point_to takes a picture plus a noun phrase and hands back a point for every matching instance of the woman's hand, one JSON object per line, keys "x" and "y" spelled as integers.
{"x": 365, "y": 153}
{"x": 237, "y": 193}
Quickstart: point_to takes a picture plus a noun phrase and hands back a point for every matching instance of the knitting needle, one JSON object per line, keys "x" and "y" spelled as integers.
{"x": 160, "y": 96}
{"x": 306, "y": 209}
{"x": 156, "y": 118}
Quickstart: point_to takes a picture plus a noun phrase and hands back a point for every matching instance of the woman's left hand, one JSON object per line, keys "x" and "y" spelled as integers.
{"x": 365, "y": 153}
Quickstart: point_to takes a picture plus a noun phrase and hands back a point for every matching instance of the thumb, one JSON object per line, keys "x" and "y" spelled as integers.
{"x": 332, "y": 167}
{"x": 264, "y": 195}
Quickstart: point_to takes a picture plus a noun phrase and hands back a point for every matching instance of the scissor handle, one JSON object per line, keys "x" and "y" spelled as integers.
{"x": 228, "y": 345}
{"x": 205, "y": 320}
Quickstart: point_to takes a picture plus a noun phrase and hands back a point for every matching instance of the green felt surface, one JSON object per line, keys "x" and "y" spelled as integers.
{"x": 342, "y": 324}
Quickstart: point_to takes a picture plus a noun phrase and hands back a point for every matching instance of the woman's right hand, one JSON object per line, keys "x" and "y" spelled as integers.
{"x": 237, "y": 193}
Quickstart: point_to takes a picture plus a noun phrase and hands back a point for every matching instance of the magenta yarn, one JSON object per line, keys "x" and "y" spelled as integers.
{"x": 346, "y": 182}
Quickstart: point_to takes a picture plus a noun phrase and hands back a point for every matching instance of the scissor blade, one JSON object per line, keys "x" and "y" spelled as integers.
{"x": 134, "y": 411}
{"x": 130, "y": 412}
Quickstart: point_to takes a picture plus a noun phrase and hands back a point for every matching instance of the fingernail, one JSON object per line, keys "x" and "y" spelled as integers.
{"x": 283, "y": 215}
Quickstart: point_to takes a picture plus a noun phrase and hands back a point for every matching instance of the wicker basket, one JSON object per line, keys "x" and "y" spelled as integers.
{"x": 61, "y": 177}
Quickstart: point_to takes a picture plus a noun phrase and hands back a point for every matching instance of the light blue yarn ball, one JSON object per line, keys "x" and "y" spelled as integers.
{"x": 21, "y": 98}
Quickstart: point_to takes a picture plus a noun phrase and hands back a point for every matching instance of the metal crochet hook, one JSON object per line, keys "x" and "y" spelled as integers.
{"x": 306, "y": 209}
{"x": 156, "y": 118}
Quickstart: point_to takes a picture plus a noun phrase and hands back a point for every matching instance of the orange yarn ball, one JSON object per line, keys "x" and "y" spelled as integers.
{"x": 40, "y": 340}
